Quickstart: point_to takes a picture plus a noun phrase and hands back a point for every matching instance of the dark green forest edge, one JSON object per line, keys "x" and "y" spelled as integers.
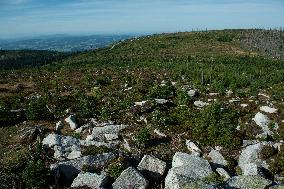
{"x": 238, "y": 66}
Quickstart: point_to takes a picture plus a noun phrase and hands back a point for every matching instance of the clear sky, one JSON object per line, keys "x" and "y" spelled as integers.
{"x": 40, "y": 17}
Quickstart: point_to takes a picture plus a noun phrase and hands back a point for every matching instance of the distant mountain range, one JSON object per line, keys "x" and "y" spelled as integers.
{"x": 62, "y": 43}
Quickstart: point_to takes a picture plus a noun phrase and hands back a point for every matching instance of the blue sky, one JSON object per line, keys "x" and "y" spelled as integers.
{"x": 40, "y": 17}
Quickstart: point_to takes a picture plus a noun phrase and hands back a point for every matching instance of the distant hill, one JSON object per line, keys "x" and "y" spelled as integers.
{"x": 62, "y": 43}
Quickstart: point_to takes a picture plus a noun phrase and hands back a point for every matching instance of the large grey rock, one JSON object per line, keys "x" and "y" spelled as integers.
{"x": 64, "y": 146}
{"x": 98, "y": 133}
{"x": 186, "y": 169}
{"x": 248, "y": 182}
{"x": 249, "y": 156}
{"x": 152, "y": 167}
{"x": 68, "y": 170}
{"x": 30, "y": 134}
{"x": 251, "y": 169}
{"x": 91, "y": 180}
{"x": 71, "y": 120}
{"x": 130, "y": 178}
{"x": 217, "y": 158}
{"x": 263, "y": 121}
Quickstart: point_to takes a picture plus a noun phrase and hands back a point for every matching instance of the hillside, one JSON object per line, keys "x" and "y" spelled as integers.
{"x": 206, "y": 106}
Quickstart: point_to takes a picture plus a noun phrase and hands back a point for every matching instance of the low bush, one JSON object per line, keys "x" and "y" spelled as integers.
{"x": 37, "y": 109}
{"x": 94, "y": 150}
{"x": 217, "y": 126}
{"x": 143, "y": 136}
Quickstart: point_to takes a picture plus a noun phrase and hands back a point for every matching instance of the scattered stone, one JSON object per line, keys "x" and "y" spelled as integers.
{"x": 161, "y": 101}
{"x": 192, "y": 147}
{"x": 98, "y": 133}
{"x": 249, "y": 142}
{"x": 71, "y": 120}
{"x": 268, "y": 109}
{"x": 200, "y": 104}
{"x": 213, "y": 94}
{"x": 59, "y": 126}
{"x": 223, "y": 173}
{"x": 152, "y": 167}
{"x": 91, "y": 180}
{"x": 64, "y": 146}
{"x": 68, "y": 170}
{"x": 158, "y": 132}
{"x": 142, "y": 103}
{"x": 193, "y": 93}
{"x": 130, "y": 178}
{"x": 30, "y": 134}
{"x": 262, "y": 121}
{"x": 244, "y": 105}
{"x": 248, "y": 182}
{"x": 185, "y": 169}
{"x": 251, "y": 155}
{"x": 229, "y": 93}
{"x": 97, "y": 143}
{"x": 83, "y": 128}
{"x": 217, "y": 158}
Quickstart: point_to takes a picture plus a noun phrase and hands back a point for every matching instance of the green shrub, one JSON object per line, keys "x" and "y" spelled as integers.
{"x": 182, "y": 97}
{"x": 35, "y": 174}
{"x": 267, "y": 152}
{"x": 215, "y": 126}
{"x": 37, "y": 109}
{"x": 115, "y": 168}
{"x": 143, "y": 136}
{"x": 86, "y": 106}
{"x": 94, "y": 150}
{"x": 276, "y": 164}
{"x": 162, "y": 92}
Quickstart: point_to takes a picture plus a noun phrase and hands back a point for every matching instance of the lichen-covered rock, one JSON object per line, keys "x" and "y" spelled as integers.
{"x": 130, "y": 178}
{"x": 263, "y": 121}
{"x": 251, "y": 155}
{"x": 98, "y": 133}
{"x": 68, "y": 170}
{"x": 186, "y": 169}
{"x": 152, "y": 167}
{"x": 29, "y": 134}
{"x": 217, "y": 158}
{"x": 91, "y": 180}
{"x": 64, "y": 146}
{"x": 248, "y": 182}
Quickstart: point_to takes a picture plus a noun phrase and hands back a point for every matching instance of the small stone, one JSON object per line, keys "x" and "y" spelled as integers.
{"x": 193, "y": 93}
{"x": 268, "y": 109}
{"x": 200, "y": 104}
{"x": 217, "y": 158}
{"x": 130, "y": 178}
{"x": 71, "y": 120}
{"x": 142, "y": 103}
{"x": 158, "y": 132}
{"x": 59, "y": 126}
{"x": 192, "y": 147}
{"x": 152, "y": 167}
{"x": 263, "y": 121}
{"x": 161, "y": 101}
